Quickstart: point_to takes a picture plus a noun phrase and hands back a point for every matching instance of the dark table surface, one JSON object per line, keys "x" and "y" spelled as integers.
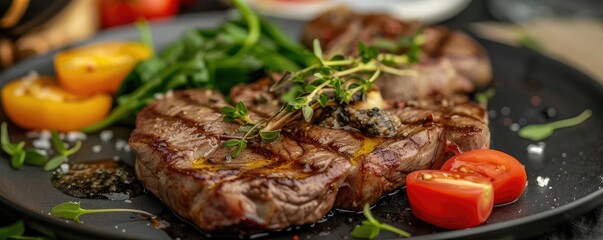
{"x": 588, "y": 226}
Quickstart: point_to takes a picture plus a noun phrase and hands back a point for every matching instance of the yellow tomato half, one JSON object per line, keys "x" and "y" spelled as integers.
{"x": 98, "y": 67}
{"x": 40, "y": 103}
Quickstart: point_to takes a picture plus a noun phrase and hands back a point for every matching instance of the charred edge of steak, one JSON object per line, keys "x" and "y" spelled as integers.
{"x": 174, "y": 132}
{"x": 268, "y": 187}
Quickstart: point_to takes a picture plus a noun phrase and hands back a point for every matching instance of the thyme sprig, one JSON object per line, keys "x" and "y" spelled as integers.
{"x": 338, "y": 80}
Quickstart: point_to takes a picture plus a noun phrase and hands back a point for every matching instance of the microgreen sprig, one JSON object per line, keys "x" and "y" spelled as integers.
{"x": 19, "y": 155}
{"x": 63, "y": 152}
{"x": 371, "y": 227}
{"x": 73, "y": 211}
{"x": 338, "y": 80}
{"x": 16, "y": 231}
{"x": 236, "y": 114}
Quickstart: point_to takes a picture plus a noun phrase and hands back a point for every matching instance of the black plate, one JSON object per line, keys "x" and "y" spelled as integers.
{"x": 572, "y": 157}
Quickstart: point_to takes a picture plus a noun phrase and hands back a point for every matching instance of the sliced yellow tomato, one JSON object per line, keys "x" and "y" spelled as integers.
{"x": 98, "y": 67}
{"x": 40, "y": 103}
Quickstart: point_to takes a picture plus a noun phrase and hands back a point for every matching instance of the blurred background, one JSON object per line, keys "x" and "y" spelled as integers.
{"x": 571, "y": 31}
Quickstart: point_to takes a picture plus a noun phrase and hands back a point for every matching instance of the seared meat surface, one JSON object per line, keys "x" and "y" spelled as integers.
{"x": 297, "y": 179}
{"x": 450, "y": 61}
{"x": 180, "y": 159}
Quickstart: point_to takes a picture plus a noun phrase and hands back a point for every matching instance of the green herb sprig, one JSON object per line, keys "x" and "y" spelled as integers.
{"x": 63, "y": 153}
{"x": 238, "y": 50}
{"x": 19, "y": 155}
{"x": 538, "y": 132}
{"x": 371, "y": 228}
{"x": 73, "y": 211}
{"x": 236, "y": 114}
{"x": 483, "y": 97}
{"x": 329, "y": 82}
{"x": 16, "y": 231}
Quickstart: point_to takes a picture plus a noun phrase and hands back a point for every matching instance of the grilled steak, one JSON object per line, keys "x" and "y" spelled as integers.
{"x": 297, "y": 179}
{"x": 450, "y": 61}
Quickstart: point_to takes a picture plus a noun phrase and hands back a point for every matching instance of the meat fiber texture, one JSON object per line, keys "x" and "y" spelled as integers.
{"x": 298, "y": 178}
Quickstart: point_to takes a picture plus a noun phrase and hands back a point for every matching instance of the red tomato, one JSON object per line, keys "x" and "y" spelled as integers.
{"x": 119, "y": 12}
{"x": 449, "y": 200}
{"x": 508, "y": 175}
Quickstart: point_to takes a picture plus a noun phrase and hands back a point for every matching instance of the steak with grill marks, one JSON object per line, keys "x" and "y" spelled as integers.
{"x": 300, "y": 177}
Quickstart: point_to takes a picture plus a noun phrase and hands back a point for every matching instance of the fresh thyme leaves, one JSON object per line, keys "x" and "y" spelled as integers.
{"x": 371, "y": 228}
{"x": 73, "y": 211}
{"x": 238, "y": 144}
{"x": 411, "y": 44}
{"x": 236, "y": 114}
{"x": 63, "y": 152}
{"x": 338, "y": 80}
{"x": 19, "y": 155}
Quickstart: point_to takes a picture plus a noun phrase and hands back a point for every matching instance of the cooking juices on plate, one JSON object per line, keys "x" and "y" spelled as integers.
{"x": 344, "y": 126}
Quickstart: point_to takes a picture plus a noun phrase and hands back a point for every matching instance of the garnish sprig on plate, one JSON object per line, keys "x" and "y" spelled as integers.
{"x": 371, "y": 227}
{"x": 73, "y": 211}
{"x": 63, "y": 153}
{"x": 19, "y": 155}
{"x": 336, "y": 81}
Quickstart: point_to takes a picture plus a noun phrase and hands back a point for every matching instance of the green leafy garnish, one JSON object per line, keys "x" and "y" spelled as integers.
{"x": 14, "y": 230}
{"x": 63, "y": 153}
{"x": 238, "y": 144}
{"x": 334, "y": 81}
{"x": 73, "y": 211}
{"x": 235, "y": 52}
{"x": 18, "y": 154}
{"x": 410, "y": 44}
{"x": 145, "y": 34}
{"x": 527, "y": 41}
{"x": 483, "y": 97}
{"x": 371, "y": 228}
{"x": 237, "y": 113}
{"x": 542, "y": 131}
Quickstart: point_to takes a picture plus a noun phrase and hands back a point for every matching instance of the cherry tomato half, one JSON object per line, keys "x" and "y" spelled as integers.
{"x": 40, "y": 103}
{"x": 449, "y": 199}
{"x": 508, "y": 175}
{"x": 98, "y": 67}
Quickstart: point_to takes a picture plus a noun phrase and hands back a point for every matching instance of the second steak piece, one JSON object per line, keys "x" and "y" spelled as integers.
{"x": 431, "y": 132}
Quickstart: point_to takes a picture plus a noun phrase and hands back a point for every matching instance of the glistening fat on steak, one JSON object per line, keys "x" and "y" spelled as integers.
{"x": 297, "y": 179}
